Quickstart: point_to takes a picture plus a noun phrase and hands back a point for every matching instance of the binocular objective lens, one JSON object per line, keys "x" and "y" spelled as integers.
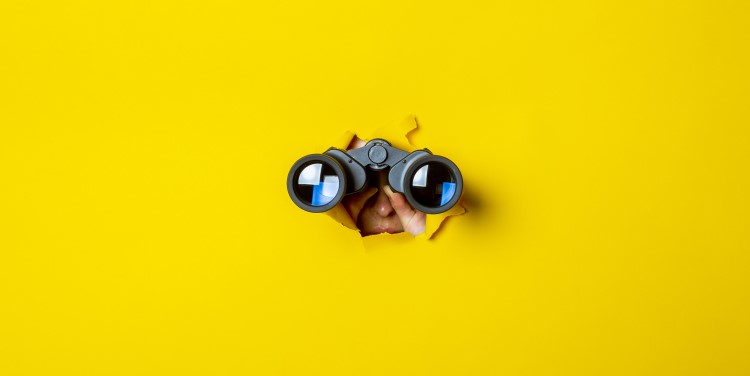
{"x": 433, "y": 185}
{"x": 317, "y": 184}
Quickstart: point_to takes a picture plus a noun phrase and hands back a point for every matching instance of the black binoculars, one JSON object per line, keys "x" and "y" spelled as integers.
{"x": 432, "y": 184}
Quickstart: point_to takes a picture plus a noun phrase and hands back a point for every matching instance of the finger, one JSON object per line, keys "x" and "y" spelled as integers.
{"x": 399, "y": 203}
{"x": 412, "y": 220}
{"x": 356, "y": 202}
{"x": 417, "y": 224}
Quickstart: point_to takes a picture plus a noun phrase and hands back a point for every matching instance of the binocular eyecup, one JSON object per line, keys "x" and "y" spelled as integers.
{"x": 432, "y": 184}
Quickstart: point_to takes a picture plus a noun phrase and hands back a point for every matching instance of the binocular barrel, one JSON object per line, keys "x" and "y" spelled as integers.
{"x": 432, "y": 184}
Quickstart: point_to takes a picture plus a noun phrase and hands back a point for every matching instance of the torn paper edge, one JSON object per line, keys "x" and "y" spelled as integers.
{"x": 400, "y": 136}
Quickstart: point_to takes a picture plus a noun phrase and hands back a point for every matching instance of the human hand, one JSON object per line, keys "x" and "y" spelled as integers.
{"x": 412, "y": 220}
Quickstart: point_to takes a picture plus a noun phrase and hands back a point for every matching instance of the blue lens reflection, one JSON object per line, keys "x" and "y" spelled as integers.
{"x": 317, "y": 184}
{"x": 433, "y": 185}
{"x": 449, "y": 189}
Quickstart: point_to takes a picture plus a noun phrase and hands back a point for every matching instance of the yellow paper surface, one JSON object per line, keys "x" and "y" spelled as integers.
{"x": 145, "y": 226}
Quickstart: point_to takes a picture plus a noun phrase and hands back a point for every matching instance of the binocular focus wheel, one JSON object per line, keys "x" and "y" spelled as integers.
{"x": 316, "y": 183}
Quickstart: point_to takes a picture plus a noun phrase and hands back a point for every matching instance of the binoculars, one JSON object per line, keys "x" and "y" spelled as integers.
{"x": 432, "y": 184}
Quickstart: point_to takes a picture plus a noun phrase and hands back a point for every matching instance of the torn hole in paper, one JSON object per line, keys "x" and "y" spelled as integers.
{"x": 399, "y": 135}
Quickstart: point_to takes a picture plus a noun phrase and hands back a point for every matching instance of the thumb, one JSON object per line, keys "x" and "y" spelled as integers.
{"x": 412, "y": 220}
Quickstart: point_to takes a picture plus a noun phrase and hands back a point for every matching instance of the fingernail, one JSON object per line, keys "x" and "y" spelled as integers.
{"x": 388, "y": 191}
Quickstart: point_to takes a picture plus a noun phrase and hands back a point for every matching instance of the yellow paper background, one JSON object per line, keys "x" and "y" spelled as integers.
{"x": 145, "y": 226}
